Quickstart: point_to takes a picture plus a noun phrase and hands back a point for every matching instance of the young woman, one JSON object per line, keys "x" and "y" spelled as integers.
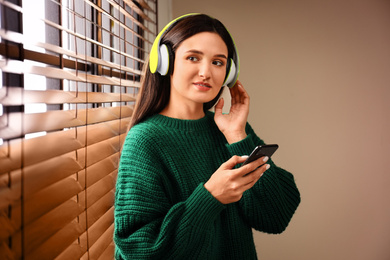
{"x": 181, "y": 193}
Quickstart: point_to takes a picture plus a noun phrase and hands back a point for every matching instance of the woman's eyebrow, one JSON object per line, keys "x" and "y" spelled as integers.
{"x": 201, "y": 53}
{"x": 221, "y": 56}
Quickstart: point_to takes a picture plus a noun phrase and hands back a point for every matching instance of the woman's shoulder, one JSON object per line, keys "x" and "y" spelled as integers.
{"x": 145, "y": 130}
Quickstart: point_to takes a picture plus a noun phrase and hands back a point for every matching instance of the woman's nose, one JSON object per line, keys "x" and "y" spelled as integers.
{"x": 204, "y": 70}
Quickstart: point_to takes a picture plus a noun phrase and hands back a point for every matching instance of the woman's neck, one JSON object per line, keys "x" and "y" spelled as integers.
{"x": 183, "y": 112}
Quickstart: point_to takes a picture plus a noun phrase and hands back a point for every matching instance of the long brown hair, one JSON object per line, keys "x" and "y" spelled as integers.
{"x": 155, "y": 89}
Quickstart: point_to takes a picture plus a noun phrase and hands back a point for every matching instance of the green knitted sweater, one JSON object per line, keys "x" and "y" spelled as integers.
{"x": 163, "y": 211}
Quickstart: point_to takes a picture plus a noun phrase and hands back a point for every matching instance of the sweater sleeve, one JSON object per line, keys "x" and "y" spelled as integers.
{"x": 270, "y": 204}
{"x": 147, "y": 223}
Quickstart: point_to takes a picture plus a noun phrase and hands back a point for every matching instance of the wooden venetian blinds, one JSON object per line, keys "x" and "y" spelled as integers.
{"x": 69, "y": 76}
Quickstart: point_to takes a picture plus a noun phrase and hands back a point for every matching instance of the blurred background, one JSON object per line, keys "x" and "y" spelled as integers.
{"x": 318, "y": 73}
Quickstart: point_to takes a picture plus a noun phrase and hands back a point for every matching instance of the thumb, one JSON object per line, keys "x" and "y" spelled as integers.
{"x": 232, "y": 162}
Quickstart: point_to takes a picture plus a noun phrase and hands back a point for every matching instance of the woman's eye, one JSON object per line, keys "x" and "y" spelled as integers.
{"x": 192, "y": 58}
{"x": 218, "y": 63}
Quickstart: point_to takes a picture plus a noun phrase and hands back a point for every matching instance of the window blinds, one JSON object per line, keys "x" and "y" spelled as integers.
{"x": 69, "y": 77}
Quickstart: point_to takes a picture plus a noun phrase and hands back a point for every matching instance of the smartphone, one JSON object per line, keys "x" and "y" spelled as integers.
{"x": 260, "y": 151}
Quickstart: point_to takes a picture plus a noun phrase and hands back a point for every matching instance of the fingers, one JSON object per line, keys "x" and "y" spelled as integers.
{"x": 244, "y": 97}
{"x": 258, "y": 166}
{"x": 248, "y": 180}
{"x": 235, "y": 94}
{"x": 239, "y": 94}
{"x": 259, "y": 171}
{"x": 227, "y": 185}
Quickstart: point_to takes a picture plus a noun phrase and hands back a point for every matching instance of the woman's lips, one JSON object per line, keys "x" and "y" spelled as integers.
{"x": 202, "y": 86}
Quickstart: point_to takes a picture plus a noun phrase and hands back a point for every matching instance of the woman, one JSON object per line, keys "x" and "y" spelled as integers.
{"x": 180, "y": 191}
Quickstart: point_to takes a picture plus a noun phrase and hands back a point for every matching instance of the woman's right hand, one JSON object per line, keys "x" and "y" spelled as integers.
{"x": 227, "y": 184}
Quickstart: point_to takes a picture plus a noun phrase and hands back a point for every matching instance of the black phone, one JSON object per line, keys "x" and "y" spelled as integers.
{"x": 260, "y": 151}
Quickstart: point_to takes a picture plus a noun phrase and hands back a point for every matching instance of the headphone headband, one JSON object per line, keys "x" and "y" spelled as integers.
{"x": 159, "y": 56}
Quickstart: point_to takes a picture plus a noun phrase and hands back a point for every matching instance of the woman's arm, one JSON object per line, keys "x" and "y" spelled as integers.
{"x": 273, "y": 197}
{"x": 270, "y": 204}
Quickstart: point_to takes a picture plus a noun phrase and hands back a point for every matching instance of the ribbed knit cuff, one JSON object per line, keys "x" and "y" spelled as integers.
{"x": 203, "y": 207}
{"x": 243, "y": 147}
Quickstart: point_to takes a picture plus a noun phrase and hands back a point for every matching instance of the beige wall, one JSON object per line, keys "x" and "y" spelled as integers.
{"x": 318, "y": 73}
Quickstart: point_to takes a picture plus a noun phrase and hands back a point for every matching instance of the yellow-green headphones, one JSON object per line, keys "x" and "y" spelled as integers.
{"x": 159, "y": 56}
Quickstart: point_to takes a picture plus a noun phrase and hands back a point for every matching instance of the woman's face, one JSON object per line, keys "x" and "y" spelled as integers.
{"x": 199, "y": 69}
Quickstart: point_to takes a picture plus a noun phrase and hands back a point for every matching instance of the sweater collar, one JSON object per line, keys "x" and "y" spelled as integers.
{"x": 203, "y": 123}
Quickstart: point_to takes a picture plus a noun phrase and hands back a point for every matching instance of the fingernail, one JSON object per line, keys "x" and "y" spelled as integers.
{"x": 245, "y": 156}
{"x": 265, "y": 159}
{"x": 267, "y": 166}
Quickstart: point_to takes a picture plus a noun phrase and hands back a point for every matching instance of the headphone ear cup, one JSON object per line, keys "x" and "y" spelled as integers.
{"x": 230, "y": 78}
{"x": 163, "y": 64}
{"x": 228, "y": 68}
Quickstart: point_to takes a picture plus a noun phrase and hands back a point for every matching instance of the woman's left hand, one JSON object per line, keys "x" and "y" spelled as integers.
{"x": 232, "y": 125}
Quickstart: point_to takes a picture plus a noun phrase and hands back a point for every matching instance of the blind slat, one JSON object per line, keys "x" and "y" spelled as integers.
{"x": 38, "y": 232}
{"x": 100, "y": 169}
{"x": 41, "y": 180}
{"x": 11, "y": 126}
{"x": 39, "y": 203}
{"x": 61, "y": 28}
{"x": 121, "y": 24}
{"x": 99, "y": 189}
{"x": 67, "y": 142}
{"x": 18, "y": 96}
{"x": 8, "y": 227}
{"x": 144, "y": 5}
{"x": 100, "y": 216}
{"x": 15, "y": 52}
{"x": 47, "y": 173}
{"x": 102, "y": 150}
{"x": 57, "y": 169}
{"x": 100, "y": 219}
{"x": 134, "y": 7}
{"x": 5, "y": 251}
{"x": 58, "y": 120}
{"x": 102, "y": 244}
{"x": 10, "y": 194}
{"x": 138, "y": 10}
{"x": 57, "y": 144}
{"x": 19, "y": 67}
{"x": 108, "y": 252}
{"x": 39, "y": 184}
{"x": 96, "y": 231}
{"x": 100, "y": 208}
{"x": 59, "y": 241}
{"x": 42, "y": 175}
{"x": 76, "y": 250}
{"x": 11, "y": 5}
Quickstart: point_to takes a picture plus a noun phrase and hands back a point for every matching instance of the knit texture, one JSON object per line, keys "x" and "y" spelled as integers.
{"x": 163, "y": 211}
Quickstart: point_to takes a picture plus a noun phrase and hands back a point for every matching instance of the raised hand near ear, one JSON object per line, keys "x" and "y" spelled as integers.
{"x": 232, "y": 125}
